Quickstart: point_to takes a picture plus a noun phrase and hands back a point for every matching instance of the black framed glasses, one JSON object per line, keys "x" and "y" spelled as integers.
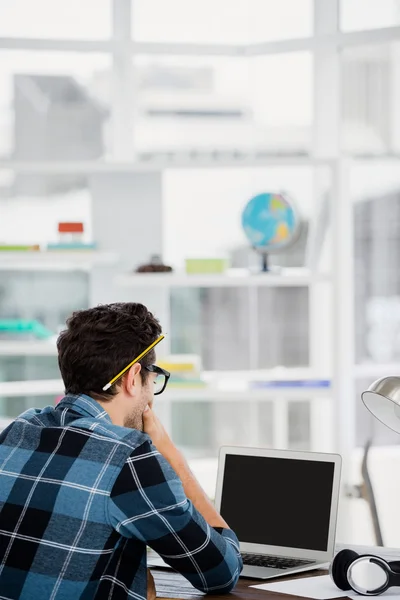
{"x": 135, "y": 360}
{"x": 161, "y": 379}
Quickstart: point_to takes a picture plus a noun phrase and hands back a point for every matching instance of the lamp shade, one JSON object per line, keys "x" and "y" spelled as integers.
{"x": 383, "y": 400}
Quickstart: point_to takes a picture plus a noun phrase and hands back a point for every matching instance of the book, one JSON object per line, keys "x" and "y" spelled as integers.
{"x": 19, "y": 248}
{"x": 291, "y": 383}
{"x": 73, "y": 246}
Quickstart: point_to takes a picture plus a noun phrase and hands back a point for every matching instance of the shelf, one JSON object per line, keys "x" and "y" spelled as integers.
{"x": 62, "y": 260}
{"x": 231, "y": 278}
{"x": 40, "y": 387}
{"x": 274, "y": 374}
{"x": 376, "y": 370}
{"x": 186, "y": 158}
{"x": 55, "y": 386}
{"x": 27, "y": 348}
{"x": 253, "y": 395}
{"x": 175, "y": 159}
{"x": 212, "y": 392}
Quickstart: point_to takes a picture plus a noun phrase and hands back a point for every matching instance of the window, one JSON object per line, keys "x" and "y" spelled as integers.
{"x": 369, "y": 14}
{"x": 192, "y": 104}
{"x": 220, "y": 21}
{"x": 370, "y": 100}
{"x": 229, "y": 105}
{"x": 74, "y": 19}
{"x": 53, "y": 106}
{"x": 376, "y": 195}
{"x": 280, "y": 92}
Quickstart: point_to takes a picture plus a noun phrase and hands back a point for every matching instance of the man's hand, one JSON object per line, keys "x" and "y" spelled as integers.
{"x": 155, "y": 429}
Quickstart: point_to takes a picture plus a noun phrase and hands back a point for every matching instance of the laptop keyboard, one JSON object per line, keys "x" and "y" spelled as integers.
{"x": 274, "y": 562}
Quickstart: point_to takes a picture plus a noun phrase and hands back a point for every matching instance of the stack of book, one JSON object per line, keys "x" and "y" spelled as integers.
{"x": 71, "y": 237}
{"x": 185, "y": 370}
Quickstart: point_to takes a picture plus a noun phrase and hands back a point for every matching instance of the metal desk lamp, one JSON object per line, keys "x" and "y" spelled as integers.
{"x": 382, "y": 399}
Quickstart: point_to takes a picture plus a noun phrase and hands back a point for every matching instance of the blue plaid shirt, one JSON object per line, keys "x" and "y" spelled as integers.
{"x": 80, "y": 498}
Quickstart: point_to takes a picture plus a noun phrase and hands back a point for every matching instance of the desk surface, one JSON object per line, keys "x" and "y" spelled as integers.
{"x": 172, "y": 585}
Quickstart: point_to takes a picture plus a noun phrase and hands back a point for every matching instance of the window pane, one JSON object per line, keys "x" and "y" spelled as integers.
{"x": 201, "y": 428}
{"x": 192, "y": 427}
{"x": 90, "y": 19}
{"x": 53, "y": 106}
{"x": 299, "y": 425}
{"x": 46, "y": 298}
{"x": 369, "y": 14}
{"x": 280, "y": 94}
{"x": 376, "y": 195}
{"x": 283, "y": 324}
{"x": 192, "y": 103}
{"x": 371, "y": 96}
{"x": 214, "y": 324}
{"x": 220, "y": 21}
{"x": 13, "y": 406}
{"x": 233, "y": 105}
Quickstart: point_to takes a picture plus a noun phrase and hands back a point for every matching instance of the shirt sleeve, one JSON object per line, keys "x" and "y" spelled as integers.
{"x": 148, "y": 502}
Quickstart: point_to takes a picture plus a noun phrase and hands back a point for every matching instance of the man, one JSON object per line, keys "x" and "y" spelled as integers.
{"x": 86, "y": 485}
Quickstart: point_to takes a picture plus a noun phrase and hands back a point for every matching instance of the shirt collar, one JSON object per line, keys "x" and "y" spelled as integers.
{"x": 85, "y": 406}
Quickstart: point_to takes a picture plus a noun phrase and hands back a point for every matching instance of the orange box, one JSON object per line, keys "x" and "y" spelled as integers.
{"x": 70, "y": 227}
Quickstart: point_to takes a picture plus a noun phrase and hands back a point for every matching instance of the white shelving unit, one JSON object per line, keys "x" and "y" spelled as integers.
{"x": 177, "y": 394}
{"x": 27, "y": 348}
{"x": 55, "y": 260}
{"x": 181, "y": 160}
{"x": 40, "y": 387}
{"x": 225, "y": 387}
{"x": 231, "y": 278}
{"x": 280, "y": 398}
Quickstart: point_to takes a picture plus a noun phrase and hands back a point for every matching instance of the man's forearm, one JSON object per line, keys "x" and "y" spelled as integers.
{"x": 193, "y": 489}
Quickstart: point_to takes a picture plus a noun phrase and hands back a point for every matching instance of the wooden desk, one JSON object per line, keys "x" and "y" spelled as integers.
{"x": 172, "y": 585}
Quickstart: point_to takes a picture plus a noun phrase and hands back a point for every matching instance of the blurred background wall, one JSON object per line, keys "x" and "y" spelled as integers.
{"x": 152, "y": 123}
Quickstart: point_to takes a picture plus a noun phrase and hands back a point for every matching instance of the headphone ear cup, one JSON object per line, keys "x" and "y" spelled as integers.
{"x": 395, "y": 566}
{"x": 339, "y": 567}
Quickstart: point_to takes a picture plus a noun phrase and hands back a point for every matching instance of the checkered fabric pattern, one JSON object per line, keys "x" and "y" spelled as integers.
{"x": 81, "y": 498}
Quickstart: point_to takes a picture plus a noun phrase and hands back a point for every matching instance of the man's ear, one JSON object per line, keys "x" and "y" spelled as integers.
{"x": 131, "y": 379}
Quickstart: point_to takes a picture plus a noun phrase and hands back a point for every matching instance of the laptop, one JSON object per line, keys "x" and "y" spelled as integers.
{"x": 283, "y": 507}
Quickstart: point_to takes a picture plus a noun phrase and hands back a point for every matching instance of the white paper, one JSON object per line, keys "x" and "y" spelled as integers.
{"x": 320, "y": 587}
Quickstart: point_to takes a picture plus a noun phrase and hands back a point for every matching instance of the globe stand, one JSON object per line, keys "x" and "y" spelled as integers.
{"x": 265, "y": 267}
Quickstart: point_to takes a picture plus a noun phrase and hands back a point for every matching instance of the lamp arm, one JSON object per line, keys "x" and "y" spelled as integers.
{"x": 367, "y": 493}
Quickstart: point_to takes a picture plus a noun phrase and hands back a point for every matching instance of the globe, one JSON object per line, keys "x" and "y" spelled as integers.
{"x": 270, "y": 223}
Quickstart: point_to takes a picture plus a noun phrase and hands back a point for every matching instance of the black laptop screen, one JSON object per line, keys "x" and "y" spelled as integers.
{"x": 278, "y": 501}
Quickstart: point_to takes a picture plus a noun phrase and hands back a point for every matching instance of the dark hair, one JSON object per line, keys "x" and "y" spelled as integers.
{"x": 99, "y": 342}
